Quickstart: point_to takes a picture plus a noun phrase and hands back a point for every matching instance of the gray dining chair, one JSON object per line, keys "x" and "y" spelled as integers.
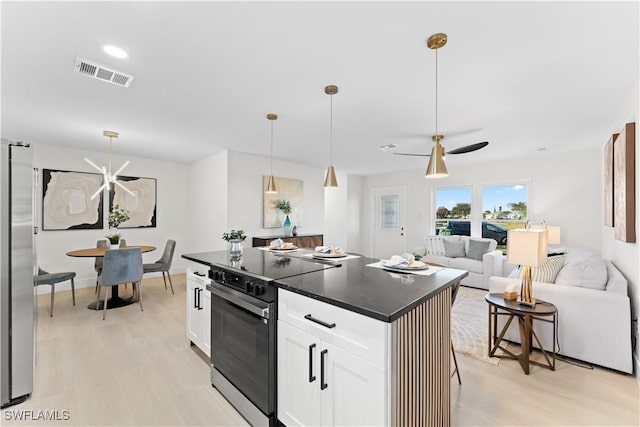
{"x": 120, "y": 266}
{"x": 454, "y": 294}
{"x": 164, "y": 263}
{"x": 46, "y": 278}
{"x": 97, "y": 266}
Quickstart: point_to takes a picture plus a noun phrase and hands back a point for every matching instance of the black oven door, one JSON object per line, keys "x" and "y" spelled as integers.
{"x": 243, "y": 344}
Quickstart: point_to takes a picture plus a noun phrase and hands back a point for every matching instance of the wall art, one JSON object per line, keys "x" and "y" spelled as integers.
{"x": 288, "y": 189}
{"x": 608, "y": 181}
{"x": 624, "y": 177}
{"x": 142, "y": 204}
{"x": 67, "y": 203}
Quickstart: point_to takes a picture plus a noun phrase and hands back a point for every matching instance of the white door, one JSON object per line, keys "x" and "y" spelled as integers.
{"x": 298, "y": 377}
{"x": 388, "y": 209}
{"x": 354, "y": 393}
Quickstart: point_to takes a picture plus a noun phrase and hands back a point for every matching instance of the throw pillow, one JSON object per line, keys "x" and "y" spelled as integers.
{"x": 591, "y": 272}
{"x": 453, "y": 249}
{"x": 433, "y": 245}
{"x": 548, "y": 271}
{"x": 477, "y": 248}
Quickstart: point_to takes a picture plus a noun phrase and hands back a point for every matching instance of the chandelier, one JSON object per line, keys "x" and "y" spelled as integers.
{"x": 109, "y": 178}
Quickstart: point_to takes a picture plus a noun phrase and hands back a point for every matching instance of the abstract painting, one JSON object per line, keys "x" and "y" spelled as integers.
{"x": 288, "y": 189}
{"x": 67, "y": 203}
{"x": 141, "y": 204}
{"x": 624, "y": 177}
{"x": 608, "y": 181}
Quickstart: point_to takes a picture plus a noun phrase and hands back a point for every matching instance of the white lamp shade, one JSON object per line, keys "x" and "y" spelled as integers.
{"x": 553, "y": 233}
{"x": 527, "y": 247}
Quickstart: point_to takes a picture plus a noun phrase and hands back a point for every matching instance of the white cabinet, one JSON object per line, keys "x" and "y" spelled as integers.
{"x": 323, "y": 380}
{"x": 199, "y": 310}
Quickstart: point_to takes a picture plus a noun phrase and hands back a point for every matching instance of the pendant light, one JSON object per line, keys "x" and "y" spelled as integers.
{"x": 271, "y": 185}
{"x": 330, "y": 179}
{"x": 109, "y": 178}
{"x": 437, "y": 167}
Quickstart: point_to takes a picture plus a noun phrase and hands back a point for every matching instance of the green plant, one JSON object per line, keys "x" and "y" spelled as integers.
{"x": 284, "y": 206}
{"x": 114, "y": 238}
{"x": 234, "y": 235}
{"x": 117, "y": 216}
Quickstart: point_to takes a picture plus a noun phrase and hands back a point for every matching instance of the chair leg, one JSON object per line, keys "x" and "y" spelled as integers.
{"x": 138, "y": 286}
{"x": 73, "y": 291}
{"x": 170, "y": 282}
{"x": 53, "y": 293}
{"x": 96, "y": 291}
{"x": 98, "y": 297}
{"x": 165, "y": 281}
{"x": 455, "y": 362}
{"x": 104, "y": 305}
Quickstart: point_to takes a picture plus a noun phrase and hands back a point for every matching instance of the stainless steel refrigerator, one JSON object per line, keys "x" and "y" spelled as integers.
{"x": 17, "y": 272}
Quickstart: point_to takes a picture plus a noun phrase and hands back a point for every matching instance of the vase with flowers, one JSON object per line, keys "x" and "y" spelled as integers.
{"x": 235, "y": 239}
{"x": 285, "y": 207}
{"x": 117, "y": 216}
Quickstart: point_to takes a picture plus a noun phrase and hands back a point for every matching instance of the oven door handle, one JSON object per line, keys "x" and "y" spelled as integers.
{"x": 241, "y": 302}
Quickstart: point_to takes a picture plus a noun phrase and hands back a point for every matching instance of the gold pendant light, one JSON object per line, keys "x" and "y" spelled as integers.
{"x": 271, "y": 185}
{"x": 330, "y": 179}
{"x": 437, "y": 167}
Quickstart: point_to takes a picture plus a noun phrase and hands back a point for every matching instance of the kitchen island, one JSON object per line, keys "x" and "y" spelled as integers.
{"x": 358, "y": 345}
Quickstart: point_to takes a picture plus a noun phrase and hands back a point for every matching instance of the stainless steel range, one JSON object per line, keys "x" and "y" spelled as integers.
{"x": 243, "y": 327}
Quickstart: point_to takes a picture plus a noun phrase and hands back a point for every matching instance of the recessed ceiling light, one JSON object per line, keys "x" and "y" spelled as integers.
{"x": 115, "y": 51}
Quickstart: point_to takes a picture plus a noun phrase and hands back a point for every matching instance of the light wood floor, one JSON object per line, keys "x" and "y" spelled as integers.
{"x": 137, "y": 368}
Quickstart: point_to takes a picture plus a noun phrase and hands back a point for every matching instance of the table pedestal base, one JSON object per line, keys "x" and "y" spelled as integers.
{"x": 114, "y": 302}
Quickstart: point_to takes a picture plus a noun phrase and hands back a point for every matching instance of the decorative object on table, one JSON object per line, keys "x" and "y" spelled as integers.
{"x": 280, "y": 245}
{"x": 329, "y": 252}
{"x": 285, "y": 207}
{"x": 609, "y": 188}
{"x": 117, "y": 216}
{"x": 404, "y": 262}
{"x": 67, "y": 202}
{"x": 109, "y": 178}
{"x": 288, "y": 189}
{"x": 294, "y": 230}
{"x": 140, "y": 201}
{"x": 511, "y": 292}
{"x": 235, "y": 239}
{"x": 624, "y": 196}
{"x": 271, "y": 184}
{"x": 330, "y": 178}
{"x": 528, "y": 248}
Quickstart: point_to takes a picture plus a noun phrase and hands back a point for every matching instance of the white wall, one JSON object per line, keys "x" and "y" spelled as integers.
{"x": 626, "y": 255}
{"x": 337, "y": 213}
{"x": 355, "y": 211}
{"x": 562, "y": 188}
{"x": 171, "y": 211}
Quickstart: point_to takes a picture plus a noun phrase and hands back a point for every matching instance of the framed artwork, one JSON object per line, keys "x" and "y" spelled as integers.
{"x": 141, "y": 204}
{"x": 624, "y": 177}
{"x": 288, "y": 189}
{"x": 67, "y": 202}
{"x": 608, "y": 181}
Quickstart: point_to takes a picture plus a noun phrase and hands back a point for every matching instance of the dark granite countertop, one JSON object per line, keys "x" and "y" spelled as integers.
{"x": 371, "y": 291}
{"x": 351, "y": 285}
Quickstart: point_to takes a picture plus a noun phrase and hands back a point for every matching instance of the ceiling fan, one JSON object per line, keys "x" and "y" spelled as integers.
{"x": 437, "y": 167}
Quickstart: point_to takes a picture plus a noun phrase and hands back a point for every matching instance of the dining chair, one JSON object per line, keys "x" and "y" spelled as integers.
{"x": 120, "y": 266}
{"x": 164, "y": 263}
{"x": 46, "y": 278}
{"x": 97, "y": 266}
{"x": 454, "y": 293}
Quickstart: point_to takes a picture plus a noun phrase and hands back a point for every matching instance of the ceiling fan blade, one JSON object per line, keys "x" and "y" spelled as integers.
{"x": 469, "y": 148}
{"x": 450, "y": 135}
{"x": 412, "y": 154}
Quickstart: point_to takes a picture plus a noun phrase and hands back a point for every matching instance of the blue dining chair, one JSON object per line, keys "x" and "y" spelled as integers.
{"x": 46, "y": 278}
{"x": 120, "y": 266}
{"x": 164, "y": 263}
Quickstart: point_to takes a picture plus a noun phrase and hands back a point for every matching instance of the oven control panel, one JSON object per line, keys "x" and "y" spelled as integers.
{"x": 244, "y": 284}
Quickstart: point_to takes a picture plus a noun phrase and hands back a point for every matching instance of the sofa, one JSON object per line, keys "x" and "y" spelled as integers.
{"x": 594, "y": 310}
{"x": 476, "y": 255}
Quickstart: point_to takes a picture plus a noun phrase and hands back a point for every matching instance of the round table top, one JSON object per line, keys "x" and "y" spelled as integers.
{"x": 542, "y": 308}
{"x": 99, "y": 252}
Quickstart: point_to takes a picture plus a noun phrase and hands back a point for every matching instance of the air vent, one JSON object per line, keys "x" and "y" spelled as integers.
{"x": 387, "y": 147}
{"x": 100, "y": 72}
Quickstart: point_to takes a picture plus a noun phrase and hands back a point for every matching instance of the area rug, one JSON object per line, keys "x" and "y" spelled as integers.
{"x": 469, "y": 325}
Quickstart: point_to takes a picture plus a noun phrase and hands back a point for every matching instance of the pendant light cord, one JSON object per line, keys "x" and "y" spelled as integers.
{"x": 437, "y": 93}
{"x": 110, "y": 138}
{"x": 331, "y": 132}
{"x": 271, "y": 147}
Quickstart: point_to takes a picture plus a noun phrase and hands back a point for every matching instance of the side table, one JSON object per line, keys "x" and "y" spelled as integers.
{"x": 498, "y": 306}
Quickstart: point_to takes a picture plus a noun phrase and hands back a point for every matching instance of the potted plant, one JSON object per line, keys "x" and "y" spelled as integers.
{"x": 117, "y": 216}
{"x": 235, "y": 239}
{"x": 285, "y": 207}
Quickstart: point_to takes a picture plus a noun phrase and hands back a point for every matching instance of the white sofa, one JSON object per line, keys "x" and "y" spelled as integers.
{"x": 594, "y": 311}
{"x": 480, "y": 271}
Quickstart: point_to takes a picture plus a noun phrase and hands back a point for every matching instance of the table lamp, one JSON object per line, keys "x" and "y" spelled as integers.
{"x": 528, "y": 248}
{"x": 553, "y": 230}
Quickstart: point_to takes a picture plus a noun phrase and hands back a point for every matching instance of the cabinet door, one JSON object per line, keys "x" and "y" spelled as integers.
{"x": 205, "y": 319}
{"x": 354, "y": 390}
{"x": 298, "y": 390}
{"x": 194, "y": 318}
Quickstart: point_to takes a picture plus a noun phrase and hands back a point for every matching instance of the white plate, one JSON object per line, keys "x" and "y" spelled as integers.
{"x": 404, "y": 269}
{"x": 293, "y": 248}
{"x": 322, "y": 255}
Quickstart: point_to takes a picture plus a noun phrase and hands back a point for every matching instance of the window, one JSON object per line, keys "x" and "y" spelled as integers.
{"x": 453, "y": 211}
{"x": 389, "y": 212}
{"x": 504, "y": 207}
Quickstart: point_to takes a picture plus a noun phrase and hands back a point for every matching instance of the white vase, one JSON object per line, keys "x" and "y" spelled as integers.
{"x": 115, "y": 246}
{"x": 235, "y": 247}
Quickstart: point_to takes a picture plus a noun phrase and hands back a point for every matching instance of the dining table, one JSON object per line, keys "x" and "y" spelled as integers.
{"x": 115, "y": 301}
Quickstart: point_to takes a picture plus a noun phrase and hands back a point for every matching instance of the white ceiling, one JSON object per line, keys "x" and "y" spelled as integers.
{"x": 524, "y": 75}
